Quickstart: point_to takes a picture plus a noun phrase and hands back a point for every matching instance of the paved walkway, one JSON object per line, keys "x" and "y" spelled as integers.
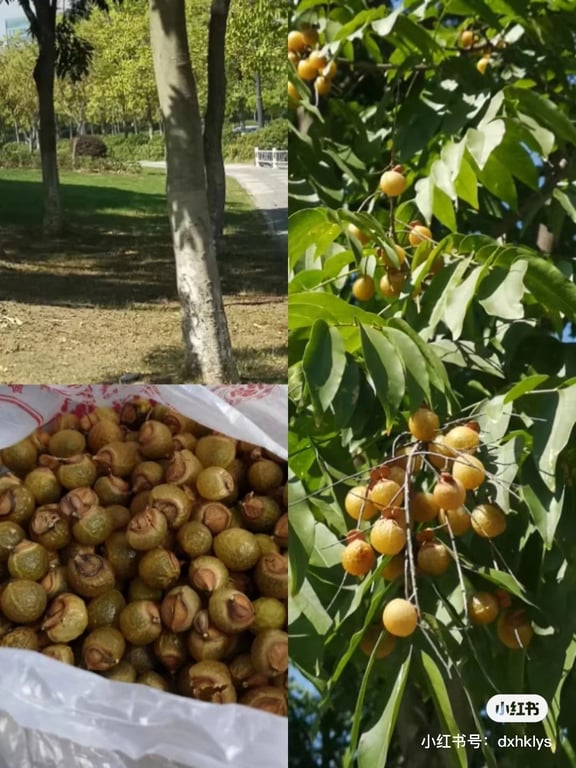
{"x": 268, "y": 188}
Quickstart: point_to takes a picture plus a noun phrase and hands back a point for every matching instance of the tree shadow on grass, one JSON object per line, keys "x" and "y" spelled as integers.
{"x": 117, "y": 250}
{"x": 167, "y": 366}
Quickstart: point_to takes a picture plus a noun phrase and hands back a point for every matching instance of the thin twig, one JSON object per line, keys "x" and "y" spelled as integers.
{"x": 411, "y": 570}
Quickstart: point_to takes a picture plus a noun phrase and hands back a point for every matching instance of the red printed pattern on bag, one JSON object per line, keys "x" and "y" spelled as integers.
{"x": 115, "y": 394}
{"x": 234, "y": 395}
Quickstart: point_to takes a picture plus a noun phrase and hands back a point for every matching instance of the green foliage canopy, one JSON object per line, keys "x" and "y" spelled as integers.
{"x": 480, "y": 329}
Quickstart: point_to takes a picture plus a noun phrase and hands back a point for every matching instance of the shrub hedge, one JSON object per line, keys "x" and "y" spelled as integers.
{"x": 123, "y": 152}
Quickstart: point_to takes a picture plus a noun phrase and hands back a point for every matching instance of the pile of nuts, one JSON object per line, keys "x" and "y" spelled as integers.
{"x": 142, "y": 546}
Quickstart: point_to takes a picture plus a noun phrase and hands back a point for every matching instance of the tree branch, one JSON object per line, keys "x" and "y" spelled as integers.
{"x": 29, "y": 13}
{"x": 372, "y": 67}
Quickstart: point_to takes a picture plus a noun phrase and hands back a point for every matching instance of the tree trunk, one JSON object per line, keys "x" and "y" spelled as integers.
{"x": 214, "y": 118}
{"x": 44, "y": 73}
{"x": 259, "y": 102}
{"x": 205, "y": 331}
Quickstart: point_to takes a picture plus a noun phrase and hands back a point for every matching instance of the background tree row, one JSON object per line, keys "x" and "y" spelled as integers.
{"x": 118, "y": 94}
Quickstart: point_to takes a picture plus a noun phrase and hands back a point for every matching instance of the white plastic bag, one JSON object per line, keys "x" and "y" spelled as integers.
{"x": 56, "y": 716}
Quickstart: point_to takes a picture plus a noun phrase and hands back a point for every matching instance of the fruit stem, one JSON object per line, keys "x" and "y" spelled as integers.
{"x": 373, "y": 67}
{"x": 410, "y": 587}
{"x": 371, "y": 196}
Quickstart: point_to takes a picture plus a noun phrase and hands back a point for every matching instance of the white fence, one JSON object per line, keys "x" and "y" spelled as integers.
{"x": 275, "y": 158}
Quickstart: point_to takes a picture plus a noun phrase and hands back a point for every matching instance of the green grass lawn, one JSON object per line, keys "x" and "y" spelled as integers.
{"x": 117, "y": 225}
{"x": 91, "y": 198}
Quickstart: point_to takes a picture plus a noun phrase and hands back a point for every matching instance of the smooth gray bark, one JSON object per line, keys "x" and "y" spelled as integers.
{"x": 204, "y": 327}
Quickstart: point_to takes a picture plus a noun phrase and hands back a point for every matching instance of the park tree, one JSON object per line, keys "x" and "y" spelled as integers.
{"x": 71, "y": 102}
{"x": 123, "y": 90}
{"x": 59, "y": 50}
{"x": 205, "y": 331}
{"x": 433, "y": 376}
{"x": 254, "y": 29}
{"x": 19, "y": 105}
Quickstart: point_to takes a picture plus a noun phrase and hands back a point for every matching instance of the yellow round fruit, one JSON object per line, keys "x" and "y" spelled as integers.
{"x": 356, "y": 232}
{"x": 318, "y": 60}
{"x": 296, "y": 41}
{"x": 391, "y": 284}
{"x": 375, "y": 638}
{"x": 483, "y": 608}
{"x": 329, "y": 70}
{"x": 514, "y": 629}
{"x": 357, "y": 503}
{"x": 470, "y": 471}
{"x": 449, "y": 493}
{"x": 322, "y": 85}
{"x": 293, "y": 58}
{"x": 483, "y": 64}
{"x": 363, "y": 288}
{"x": 400, "y": 617}
{"x": 463, "y": 439}
{"x": 386, "y": 493}
{"x": 358, "y": 558}
{"x": 419, "y": 233}
{"x": 433, "y": 558}
{"x": 423, "y": 424}
{"x": 387, "y": 537}
{"x": 488, "y": 521}
{"x": 394, "y": 568}
{"x": 467, "y": 38}
{"x": 293, "y": 94}
{"x": 392, "y": 183}
{"x": 458, "y": 518}
{"x": 423, "y": 507}
{"x": 306, "y": 70}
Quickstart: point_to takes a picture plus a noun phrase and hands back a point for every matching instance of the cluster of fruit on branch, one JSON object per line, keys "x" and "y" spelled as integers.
{"x": 393, "y": 258}
{"x": 313, "y": 64}
{"x": 474, "y": 42}
{"x": 411, "y": 511}
{"x": 142, "y": 546}
{"x": 310, "y": 62}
